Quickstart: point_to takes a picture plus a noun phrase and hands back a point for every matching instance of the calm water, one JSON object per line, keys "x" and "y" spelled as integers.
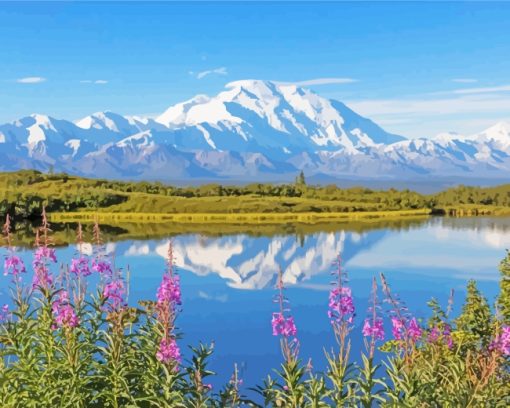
{"x": 228, "y": 281}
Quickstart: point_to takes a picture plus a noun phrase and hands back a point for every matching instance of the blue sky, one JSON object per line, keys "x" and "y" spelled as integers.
{"x": 415, "y": 68}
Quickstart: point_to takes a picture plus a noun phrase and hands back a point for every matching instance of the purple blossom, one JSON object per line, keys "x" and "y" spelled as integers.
{"x": 102, "y": 267}
{"x": 42, "y": 256}
{"x": 283, "y": 326}
{"x": 447, "y": 334}
{"x": 169, "y": 290}
{"x": 43, "y": 253}
{"x": 402, "y": 329}
{"x": 502, "y": 342}
{"x": 397, "y": 328}
{"x": 113, "y": 293}
{"x": 373, "y": 329}
{"x": 80, "y": 266}
{"x": 168, "y": 351}
{"x": 42, "y": 278}
{"x": 414, "y": 330}
{"x": 14, "y": 265}
{"x": 63, "y": 311}
{"x": 341, "y": 305}
{"x": 436, "y": 335}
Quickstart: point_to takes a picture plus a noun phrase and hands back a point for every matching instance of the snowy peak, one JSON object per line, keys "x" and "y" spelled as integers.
{"x": 253, "y": 130}
{"x": 107, "y": 121}
{"x": 276, "y": 115}
{"x": 43, "y": 121}
{"x": 499, "y": 133}
{"x": 179, "y": 114}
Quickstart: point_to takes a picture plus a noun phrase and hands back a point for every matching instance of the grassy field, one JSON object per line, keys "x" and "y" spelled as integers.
{"x": 70, "y": 198}
{"x": 245, "y": 218}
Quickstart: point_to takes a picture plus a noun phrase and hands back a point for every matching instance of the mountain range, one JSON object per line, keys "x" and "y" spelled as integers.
{"x": 253, "y": 130}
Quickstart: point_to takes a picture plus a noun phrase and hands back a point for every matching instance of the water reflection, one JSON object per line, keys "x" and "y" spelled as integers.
{"x": 246, "y": 262}
{"x": 463, "y": 246}
{"x": 421, "y": 259}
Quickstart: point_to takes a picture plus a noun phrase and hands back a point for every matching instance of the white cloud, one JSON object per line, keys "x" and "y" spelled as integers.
{"x": 138, "y": 250}
{"x": 465, "y": 80}
{"x": 425, "y": 116}
{"x": 491, "y": 89}
{"x": 217, "y": 71}
{"x": 219, "y": 298}
{"x": 30, "y": 80}
{"x": 97, "y": 81}
{"x": 393, "y": 121}
{"x": 432, "y": 106}
{"x": 324, "y": 81}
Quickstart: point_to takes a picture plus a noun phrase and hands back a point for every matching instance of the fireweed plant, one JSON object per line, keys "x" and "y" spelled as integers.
{"x": 67, "y": 342}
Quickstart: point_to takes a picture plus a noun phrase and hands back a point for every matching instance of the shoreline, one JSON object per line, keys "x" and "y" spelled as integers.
{"x": 245, "y": 218}
{"x": 256, "y": 218}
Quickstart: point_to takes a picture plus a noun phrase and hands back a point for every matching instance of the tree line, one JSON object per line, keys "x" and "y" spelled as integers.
{"x": 25, "y": 193}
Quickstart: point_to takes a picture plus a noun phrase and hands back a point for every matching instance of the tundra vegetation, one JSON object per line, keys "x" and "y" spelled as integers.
{"x": 25, "y": 193}
{"x": 66, "y": 342}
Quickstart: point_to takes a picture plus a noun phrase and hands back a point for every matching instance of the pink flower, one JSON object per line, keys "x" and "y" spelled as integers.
{"x": 373, "y": 329}
{"x": 398, "y": 328}
{"x": 113, "y": 293}
{"x": 63, "y": 311}
{"x": 80, "y": 266}
{"x": 341, "y": 305}
{"x": 435, "y": 335}
{"x": 502, "y": 342}
{"x": 290, "y": 327}
{"x": 42, "y": 275}
{"x": 168, "y": 351}
{"x": 447, "y": 334}
{"x": 42, "y": 278}
{"x": 283, "y": 326}
{"x": 414, "y": 330}
{"x": 44, "y": 253}
{"x": 367, "y": 330}
{"x": 169, "y": 290}
{"x": 102, "y": 267}
{"x": 14, "y": 265}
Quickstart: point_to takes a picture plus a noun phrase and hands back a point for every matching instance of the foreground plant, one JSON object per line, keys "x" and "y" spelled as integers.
{"x": 65, "y": 343}
{"x": 341, "y": 312}
{"x": 290, "y": 390}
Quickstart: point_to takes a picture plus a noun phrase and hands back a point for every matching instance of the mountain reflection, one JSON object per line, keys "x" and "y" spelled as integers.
{"x": 246, "y": 262}
{"x": 252, "y": 262}
{"x": 251, "y": 259}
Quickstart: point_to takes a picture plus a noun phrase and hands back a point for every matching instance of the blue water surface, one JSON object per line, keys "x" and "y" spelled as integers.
{"x": 228, "y": 281}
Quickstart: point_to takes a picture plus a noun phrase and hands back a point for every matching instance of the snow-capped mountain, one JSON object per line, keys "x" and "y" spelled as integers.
{"x": 253, "y": 130}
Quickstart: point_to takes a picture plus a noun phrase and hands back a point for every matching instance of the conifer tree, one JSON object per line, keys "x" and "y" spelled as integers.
{"x": 475, "y": 319}
{"x": 300, "y": 180}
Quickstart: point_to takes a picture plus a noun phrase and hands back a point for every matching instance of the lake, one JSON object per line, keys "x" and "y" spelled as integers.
{"x": 228, "y": 276}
